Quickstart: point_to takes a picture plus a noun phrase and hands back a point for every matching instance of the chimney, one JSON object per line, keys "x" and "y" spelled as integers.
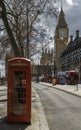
{"x": 77, "y": 33}
{"x": 71, "y": 38}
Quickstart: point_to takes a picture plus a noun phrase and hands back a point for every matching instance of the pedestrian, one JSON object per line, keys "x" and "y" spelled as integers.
{"x": 54, "y": 81}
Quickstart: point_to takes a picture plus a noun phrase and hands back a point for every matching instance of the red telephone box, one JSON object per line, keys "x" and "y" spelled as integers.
{"x": 19, "y": 90}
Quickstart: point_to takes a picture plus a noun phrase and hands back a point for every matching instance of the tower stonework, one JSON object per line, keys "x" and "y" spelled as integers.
{"x": 47, "y": 56}
{"x": 60, "y": 39}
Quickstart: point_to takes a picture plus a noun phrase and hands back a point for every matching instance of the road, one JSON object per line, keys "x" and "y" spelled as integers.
{"x": 62, "y": 110}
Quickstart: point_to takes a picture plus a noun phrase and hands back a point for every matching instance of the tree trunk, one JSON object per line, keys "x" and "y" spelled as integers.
{"x": 8, "y": 29}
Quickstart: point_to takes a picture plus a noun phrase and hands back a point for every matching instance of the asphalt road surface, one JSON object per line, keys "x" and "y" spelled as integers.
{"x": 62, "y": 110}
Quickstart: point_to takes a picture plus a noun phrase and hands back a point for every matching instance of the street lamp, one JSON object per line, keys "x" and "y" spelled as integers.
{"x": 54, "y": 68}
{"x": 79, "y": 69}
{"x": 54, "y": 59}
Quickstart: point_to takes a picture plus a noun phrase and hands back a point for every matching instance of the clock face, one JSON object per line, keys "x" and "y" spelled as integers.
{"x": 62, "y": 33}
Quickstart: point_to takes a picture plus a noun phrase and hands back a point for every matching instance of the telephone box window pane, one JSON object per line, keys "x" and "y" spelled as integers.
{"x": 19, "y": 93}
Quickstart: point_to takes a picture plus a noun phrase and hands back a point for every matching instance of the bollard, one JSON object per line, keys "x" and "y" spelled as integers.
{"x": 76, "y": 87}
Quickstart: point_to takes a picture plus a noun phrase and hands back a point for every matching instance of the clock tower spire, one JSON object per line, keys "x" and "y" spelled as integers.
{"x": 61, "y": 38}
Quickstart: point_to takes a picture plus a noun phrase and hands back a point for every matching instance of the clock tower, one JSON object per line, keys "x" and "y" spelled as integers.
{"x": 60, "y": 39}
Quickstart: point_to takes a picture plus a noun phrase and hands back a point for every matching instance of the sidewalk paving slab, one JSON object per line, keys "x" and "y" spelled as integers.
{"x": 72, "y": 89}
{"x": 38, "y": 119}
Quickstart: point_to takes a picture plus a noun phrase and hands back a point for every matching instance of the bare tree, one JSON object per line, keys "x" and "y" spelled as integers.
{"x": 3, "y": 15}
{"x": 20, "y": 18}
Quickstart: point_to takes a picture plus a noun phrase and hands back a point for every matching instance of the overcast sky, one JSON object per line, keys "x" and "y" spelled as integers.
{"x": 72, "y": 10}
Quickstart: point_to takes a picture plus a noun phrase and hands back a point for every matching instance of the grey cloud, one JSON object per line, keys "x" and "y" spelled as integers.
{"x": 73, "y": 16}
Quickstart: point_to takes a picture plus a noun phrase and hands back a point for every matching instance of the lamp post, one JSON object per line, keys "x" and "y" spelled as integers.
{"x": 27, "y": 53}
{"x": 54, "y": 68}
{"x": 79, "y": 69}
{"x": 54, "y": 59}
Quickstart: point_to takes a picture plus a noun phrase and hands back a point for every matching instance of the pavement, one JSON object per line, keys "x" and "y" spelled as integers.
{"x": 72, "y": 89}
{"x": 38, "y": 119}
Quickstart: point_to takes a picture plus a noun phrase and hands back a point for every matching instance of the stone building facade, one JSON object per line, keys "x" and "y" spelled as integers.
{"x": 71, "y": 56}
{"x": 47, "y": 57}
